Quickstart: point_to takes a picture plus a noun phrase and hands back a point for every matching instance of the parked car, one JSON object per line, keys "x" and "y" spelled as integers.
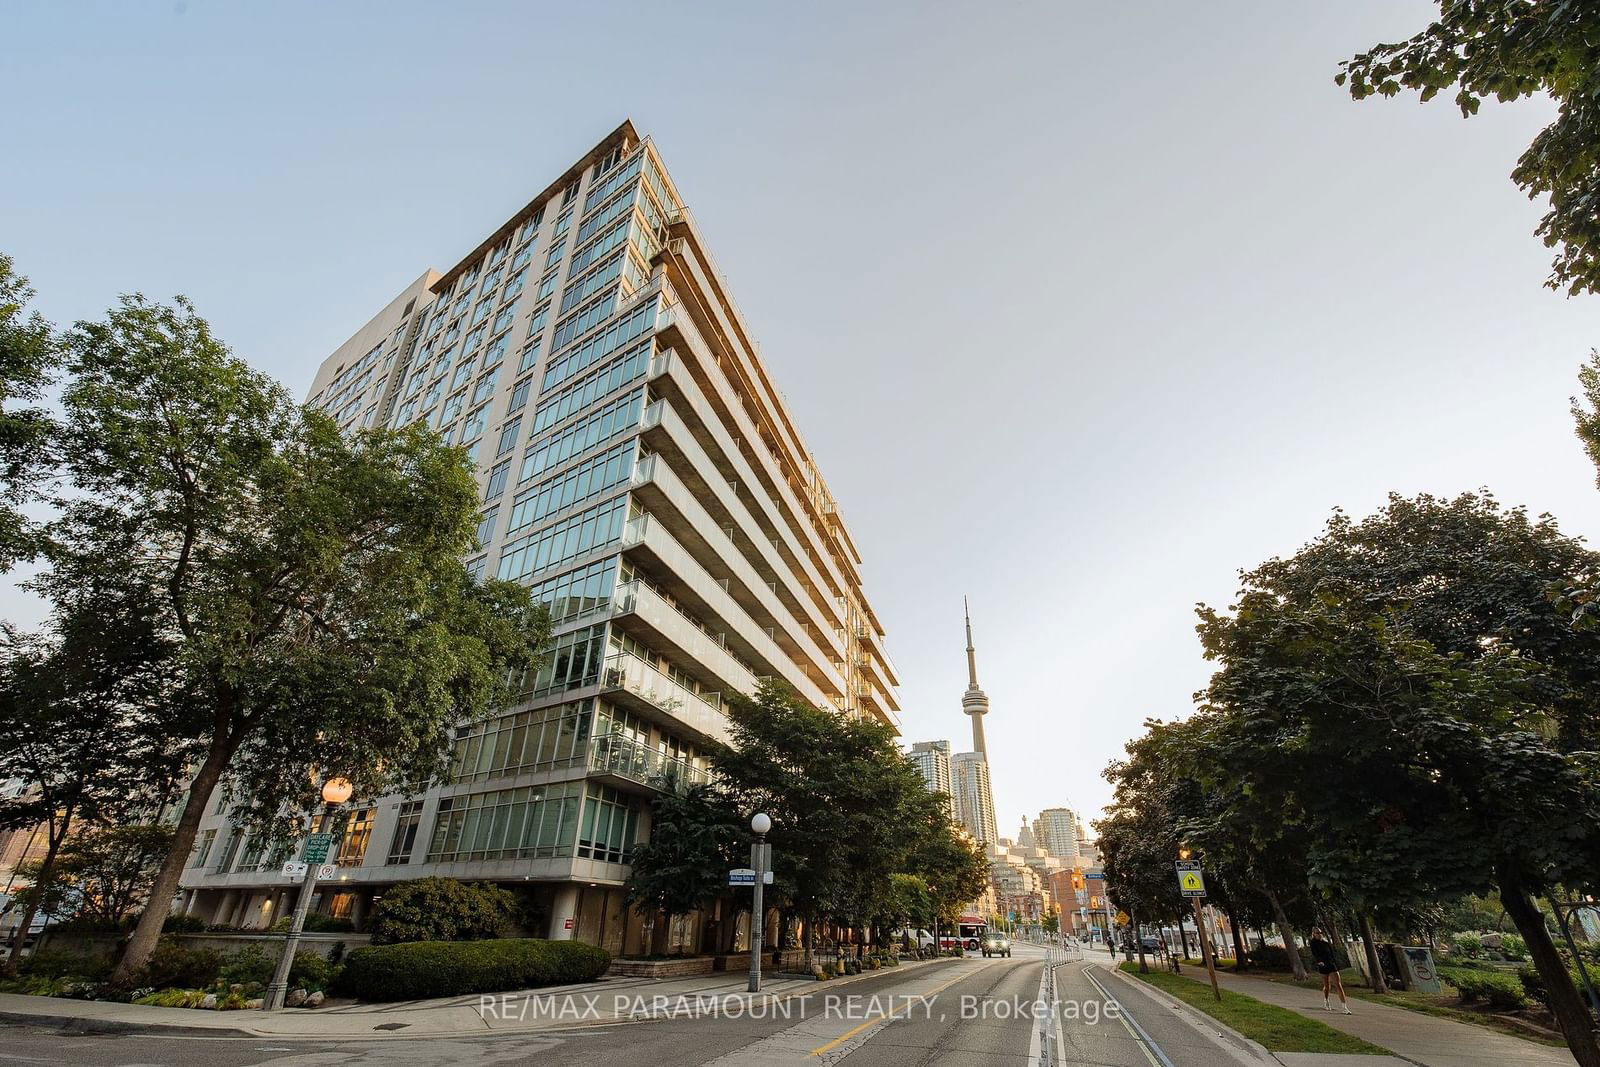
{"x": 997, "y": 945}
{"x": 1150, "y": 944}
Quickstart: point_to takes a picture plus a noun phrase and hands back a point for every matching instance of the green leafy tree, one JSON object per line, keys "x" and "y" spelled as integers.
{"x": 696, "y": 837}
{"x": 83, "y": 711}
{"x": 309, "y": 585}
{"x": 29, "y": 356}
{"x": 442, "y": 909}
{"x": 111, "y": 868}
{"x": 848, "y": 809}
{"x": 1413, "y": 662}
{"x": 1507, "y": 50}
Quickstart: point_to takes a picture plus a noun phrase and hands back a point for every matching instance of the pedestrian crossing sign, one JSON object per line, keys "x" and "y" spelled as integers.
{"x": 1191, "y": 883}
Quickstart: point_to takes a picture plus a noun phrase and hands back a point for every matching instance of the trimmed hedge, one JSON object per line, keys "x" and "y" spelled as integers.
{"x": 1503, "y": 991}
{"x": 418, "y": 969}
{"x": 1533, "y": 983}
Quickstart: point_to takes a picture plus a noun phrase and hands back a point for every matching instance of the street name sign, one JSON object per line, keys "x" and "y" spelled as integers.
{"x": 1191, "y": 883}
{"x": 747, "y": 876}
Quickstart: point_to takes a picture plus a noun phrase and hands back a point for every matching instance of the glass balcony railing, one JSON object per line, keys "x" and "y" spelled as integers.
{"x": 640, "y": 763}
{"x": 628, "y": 672}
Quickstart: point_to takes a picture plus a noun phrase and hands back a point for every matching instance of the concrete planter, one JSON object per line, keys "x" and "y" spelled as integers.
{"x": 679, "y": 968}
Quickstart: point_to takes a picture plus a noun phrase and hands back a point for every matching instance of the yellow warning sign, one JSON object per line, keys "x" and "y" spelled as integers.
{"x": 1191, "y": 883}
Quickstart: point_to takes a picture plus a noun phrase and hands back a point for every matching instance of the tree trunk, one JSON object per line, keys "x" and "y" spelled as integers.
{"x": 1133, "y": 924}
{"x": 1240, "y": 962}
{"x": 148, "y": 931}
{"x": 47, "y": 869}
{"x": 1375, "y": 977}
{"x": 1287, "y": 930}
{"x": 1183, "y": 936}
{"x": 1577, "y": 1026}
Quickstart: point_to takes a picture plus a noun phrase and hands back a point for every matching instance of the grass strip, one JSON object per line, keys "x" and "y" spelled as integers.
{"x": 1277, "y": 1029}
{"x": 1440, "y": 1007}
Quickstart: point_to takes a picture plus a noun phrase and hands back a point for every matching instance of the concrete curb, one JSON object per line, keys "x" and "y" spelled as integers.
{"x": 92, "y": 1024}
{"x": 1199, "y": 1020}
{"x": 89, "y": 1024}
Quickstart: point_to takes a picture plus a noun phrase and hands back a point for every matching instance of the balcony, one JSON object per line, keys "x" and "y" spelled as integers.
{"x": 637, "y": 685}
{"x": 648, "y": 539}
{"x": 671, "y": 631}
{"x": 630, "y": 764}
{"x": 704, "y": 507}
{"x": 731, "y": 415}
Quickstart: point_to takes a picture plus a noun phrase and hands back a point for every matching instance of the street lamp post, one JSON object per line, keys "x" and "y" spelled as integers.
{"x": 335, "y": 791}
{"x": 760, "y": 823}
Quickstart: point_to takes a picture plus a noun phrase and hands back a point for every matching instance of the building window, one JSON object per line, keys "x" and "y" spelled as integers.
{"x": 610, "y": 824}
{"x": 486, "y": 526}
{"x": 485, "y": 386}
{"x": 229, "y": 850}
{"x": 472, "y": 429}
{"x": 508, "y": 436}
{"x": 600, "y": 474}
{"x": 527, "y": 741}
{"x": 405, "y": 832}
{"x": 357, "y": 832}
{"x": 475, "y": 568}
{"x": 533, "y": 821}
{"x": 573, "y": 662}
{"x": 497, "y": 481}
{"x": 577, "y": 593}
{"x": 201, "y": 853}
{"x": 566, "y": 540}
{"x": 519, "y": 396}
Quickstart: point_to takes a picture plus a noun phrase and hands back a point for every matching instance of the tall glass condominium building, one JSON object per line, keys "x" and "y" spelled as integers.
{"x": 641, "y": 473}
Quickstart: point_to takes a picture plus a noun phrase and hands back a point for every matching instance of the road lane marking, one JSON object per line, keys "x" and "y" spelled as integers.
{"x": 935, "y": 991}
{"x": 1146, "y": 1043}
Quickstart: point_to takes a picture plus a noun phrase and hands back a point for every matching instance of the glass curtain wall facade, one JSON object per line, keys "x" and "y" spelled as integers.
{"x": 641, "y": 475}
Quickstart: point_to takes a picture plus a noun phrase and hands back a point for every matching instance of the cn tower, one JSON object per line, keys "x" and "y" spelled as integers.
{"x": 974, "y": 702}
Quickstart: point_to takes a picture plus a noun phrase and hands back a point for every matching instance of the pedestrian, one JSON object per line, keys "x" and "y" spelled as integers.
{"x": 1328, "y": 966}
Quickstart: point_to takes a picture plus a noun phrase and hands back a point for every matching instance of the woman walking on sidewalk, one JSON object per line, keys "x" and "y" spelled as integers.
{"x": 1328, "y": 967}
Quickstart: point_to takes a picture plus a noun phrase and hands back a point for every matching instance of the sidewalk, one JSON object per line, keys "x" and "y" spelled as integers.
{"x": 1423, "y": 1039}
{"x": 607, "y": 1001}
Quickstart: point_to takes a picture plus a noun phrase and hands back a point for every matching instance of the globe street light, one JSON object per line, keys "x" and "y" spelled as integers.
{"x": 760, "y": 823}
{"x": 335, "y": 791}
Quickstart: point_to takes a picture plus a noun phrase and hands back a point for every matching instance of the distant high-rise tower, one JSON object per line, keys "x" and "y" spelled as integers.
{"x": 973, "y": 701}
{"x": 974, "y": 800}
{"x": 932, "y": 758}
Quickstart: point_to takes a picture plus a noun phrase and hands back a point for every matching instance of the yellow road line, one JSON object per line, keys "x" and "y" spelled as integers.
{"x": 935, "y": 991}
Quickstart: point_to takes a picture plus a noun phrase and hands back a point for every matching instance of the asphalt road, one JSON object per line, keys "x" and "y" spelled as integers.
{"x": 996, "y": 1012}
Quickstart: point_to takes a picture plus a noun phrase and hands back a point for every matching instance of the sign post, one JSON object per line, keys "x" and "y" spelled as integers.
{"x": 760, "y": 862}
{"x": 1192, "y": 884}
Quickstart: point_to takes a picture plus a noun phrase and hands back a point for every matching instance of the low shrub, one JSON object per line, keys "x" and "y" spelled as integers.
{"x": 1502, "y": 991}
{"x": 1276, "y": 958}
{"x": 442, "y": 909}
{"x": 251, "y": 965}
{"x": 1534, "y": 986}
{"x": 61, "y": 963}
{"x": 183, "y": 924}
{"x": 310, "y": 972}
{"x": 1467, "y": 946}
{"x": 315, "y": 924}
{"x": 173, "y": 966}
{"x": 1513, "y": 948}
{"x": 173, "y": 998}
{"x": 419, "y": 969}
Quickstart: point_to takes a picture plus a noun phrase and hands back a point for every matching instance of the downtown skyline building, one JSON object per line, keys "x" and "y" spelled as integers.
{"x": 641, "y": 473}
{"x": 932, "y": 761}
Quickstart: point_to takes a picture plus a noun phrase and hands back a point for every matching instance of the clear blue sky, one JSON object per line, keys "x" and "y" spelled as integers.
{"x": 1082, "y": 307}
